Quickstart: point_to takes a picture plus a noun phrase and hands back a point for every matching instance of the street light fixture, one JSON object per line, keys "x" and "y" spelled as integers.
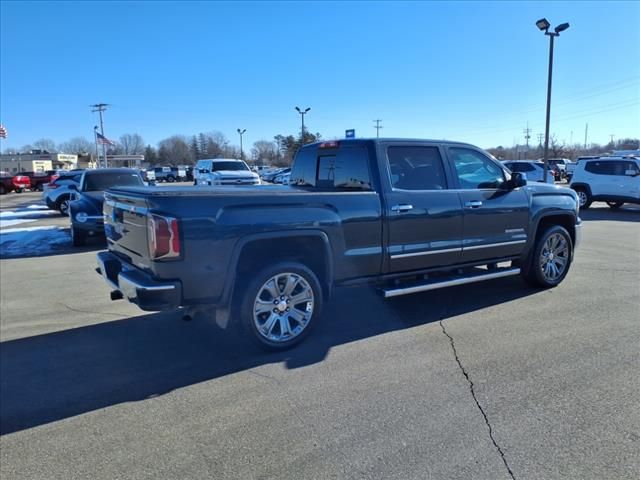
{"x": 241, "y": 132}
{"x": 544, "y": 25}
{"x": 302, "y": 114}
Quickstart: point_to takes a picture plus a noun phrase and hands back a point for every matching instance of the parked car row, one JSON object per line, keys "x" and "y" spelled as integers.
{"x": 181, "y": 173}
{"x": 34, "y": 181}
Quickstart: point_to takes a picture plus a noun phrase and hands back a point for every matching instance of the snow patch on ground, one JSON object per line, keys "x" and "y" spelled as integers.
{"x": 8, "y": 223}
{"x": 27, "y": 214}
{"x": 38, "y": 207}
{"x": 20, "y": 242}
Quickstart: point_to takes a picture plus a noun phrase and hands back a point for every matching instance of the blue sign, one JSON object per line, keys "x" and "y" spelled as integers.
{"x": 350, "y": 133}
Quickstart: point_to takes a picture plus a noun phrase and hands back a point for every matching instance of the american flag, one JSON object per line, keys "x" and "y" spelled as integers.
{"x": 3, "y": 131}
{"x": 102, "y": 140}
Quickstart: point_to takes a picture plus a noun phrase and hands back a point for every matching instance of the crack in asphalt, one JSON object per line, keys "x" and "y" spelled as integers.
{"x": 473, "y": 394}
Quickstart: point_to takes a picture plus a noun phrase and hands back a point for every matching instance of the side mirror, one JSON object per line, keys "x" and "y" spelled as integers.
{"x": 518, "y": 179}
{"x": 631, "y": 173}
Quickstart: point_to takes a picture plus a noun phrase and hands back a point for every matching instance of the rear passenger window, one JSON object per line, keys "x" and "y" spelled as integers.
{"x": 416, "y": 168}
{"x": 347, "y": 169}
{"x": 600, "y": 168}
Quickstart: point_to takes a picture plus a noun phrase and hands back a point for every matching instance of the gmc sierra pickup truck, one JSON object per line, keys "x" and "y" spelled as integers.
{"x": 404, "y": 216}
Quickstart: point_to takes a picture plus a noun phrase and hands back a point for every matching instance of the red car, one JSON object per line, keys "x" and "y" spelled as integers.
{"x": 6, "y": 183}
{"x": 21, "y": 182}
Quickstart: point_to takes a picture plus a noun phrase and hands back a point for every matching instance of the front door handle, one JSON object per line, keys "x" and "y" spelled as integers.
{"x": 403, "y": 207}
{"x": 473, "y": 204}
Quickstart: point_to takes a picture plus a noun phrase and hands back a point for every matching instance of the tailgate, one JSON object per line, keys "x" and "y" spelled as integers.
{"x": 125, "y": 226}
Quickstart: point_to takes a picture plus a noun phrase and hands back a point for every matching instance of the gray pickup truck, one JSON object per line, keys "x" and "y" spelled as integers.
{"x": 403, "y": 216}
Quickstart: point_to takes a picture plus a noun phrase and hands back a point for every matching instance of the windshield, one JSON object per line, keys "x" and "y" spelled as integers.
{"x": 102, "y": 181}
{"x": 231, "y": 165}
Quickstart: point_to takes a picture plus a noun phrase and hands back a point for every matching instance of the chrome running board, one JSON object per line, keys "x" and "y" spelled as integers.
{"x": 433, "y": 285}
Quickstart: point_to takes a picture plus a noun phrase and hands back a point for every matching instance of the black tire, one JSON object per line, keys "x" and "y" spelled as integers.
{"x": 62, "y": 205}
{"x": 78, "y": 237}
{"x": 40, "y": 187}
{"x": 3, "y": 190}
{"x": 248, "y": 296}
{"x": 615, "y": 205}
{"x": 18, "y": 190}
{"x": 584, "y": 197}
{"x": 171, "y": 179}
{"x": 534, "y": 272}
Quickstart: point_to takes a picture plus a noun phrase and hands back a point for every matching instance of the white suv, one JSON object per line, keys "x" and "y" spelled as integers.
{"x": 223, "y": 171}
{"x": 615, "y": 180}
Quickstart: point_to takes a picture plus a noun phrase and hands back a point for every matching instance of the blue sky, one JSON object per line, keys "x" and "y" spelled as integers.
{"x": 469, "y": 71}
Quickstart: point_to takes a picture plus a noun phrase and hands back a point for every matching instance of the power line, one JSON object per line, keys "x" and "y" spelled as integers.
{"x": 378, "y": 127}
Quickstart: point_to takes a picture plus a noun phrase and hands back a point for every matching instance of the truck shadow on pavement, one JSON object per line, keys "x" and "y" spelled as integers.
{"x": 59, "y": 375}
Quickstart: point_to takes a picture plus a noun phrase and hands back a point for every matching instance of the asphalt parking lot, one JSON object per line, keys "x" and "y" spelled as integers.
{"x": 488, "y": 381}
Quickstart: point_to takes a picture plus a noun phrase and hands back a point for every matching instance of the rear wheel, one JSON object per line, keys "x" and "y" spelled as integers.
{"x": 583, "y": 197}
{"x": 615, "y": 205}
{"x": 171, "y": 179}
{"x": 551, "y": 258}
{"x": 280, "y": 305}
{"x": 3, "y": 190}
{"x": 40, "y": 187}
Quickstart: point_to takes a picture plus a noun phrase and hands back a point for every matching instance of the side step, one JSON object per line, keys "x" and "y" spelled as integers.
{"x": 433, "y": 285}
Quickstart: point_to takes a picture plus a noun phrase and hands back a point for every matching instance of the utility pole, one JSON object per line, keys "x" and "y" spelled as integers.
{"x": 611, "y": 135}
{"x": 378, "y": 127}
{"x": 95, "y": 138}
{"x": 101, "y": 107}
{"x": 241, "y": 132}
{"x": 586, "y": 130}
{"x": 527, "y": 136}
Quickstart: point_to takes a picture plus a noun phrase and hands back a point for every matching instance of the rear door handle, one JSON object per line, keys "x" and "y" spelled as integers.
{"x": 473, "y": 204}
{"x": 403, "y": 207}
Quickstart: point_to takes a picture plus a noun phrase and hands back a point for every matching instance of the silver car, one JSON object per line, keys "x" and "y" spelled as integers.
{"x": 57, "y": 194}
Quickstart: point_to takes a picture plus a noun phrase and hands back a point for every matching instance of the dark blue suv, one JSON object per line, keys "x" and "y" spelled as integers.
{"x": 85, "y": 210}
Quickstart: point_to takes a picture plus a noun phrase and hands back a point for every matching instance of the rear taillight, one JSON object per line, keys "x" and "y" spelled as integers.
{"x": 164, "y": 237}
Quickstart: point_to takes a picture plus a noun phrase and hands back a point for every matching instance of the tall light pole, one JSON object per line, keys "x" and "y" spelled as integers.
{"x": 241, "y": 132}
{"x": 543, "y": 24}
{"x": 302, "y": 114}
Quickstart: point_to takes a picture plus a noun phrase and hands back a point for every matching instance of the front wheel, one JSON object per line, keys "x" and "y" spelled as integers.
{"x": 615, "y": 205}
{"x": 551, "y": 258}
{"x": 280, "y": 305}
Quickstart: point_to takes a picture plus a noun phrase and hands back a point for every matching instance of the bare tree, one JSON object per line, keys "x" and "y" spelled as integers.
{"x": 45, "y": 144}
{"x": 556, "y": 148}
{"x": 175, "y": 151}
{"x": 264, "y": 151}
{"x": 77, "y": 145}
{"x": 132, "y": 144}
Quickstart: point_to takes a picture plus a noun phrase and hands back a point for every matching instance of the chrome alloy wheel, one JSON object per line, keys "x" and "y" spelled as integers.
{"x": 283, "y": 307}
{"x": 554, "y": 257}
{"x": 582, "y": 198}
